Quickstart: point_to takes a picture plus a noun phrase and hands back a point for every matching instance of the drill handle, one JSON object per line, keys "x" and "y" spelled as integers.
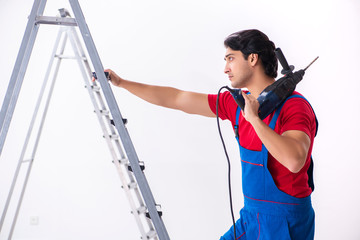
{"x": 237, "y": 95}
{"x": 286, "y": 68}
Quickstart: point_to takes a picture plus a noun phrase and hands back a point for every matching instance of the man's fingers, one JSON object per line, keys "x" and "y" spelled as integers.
{"x": 110, "y": 72}
{"x": 244, "y": 95}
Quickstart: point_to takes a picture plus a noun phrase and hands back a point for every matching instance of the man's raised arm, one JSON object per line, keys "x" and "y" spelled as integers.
{"x": 189, "y": 102}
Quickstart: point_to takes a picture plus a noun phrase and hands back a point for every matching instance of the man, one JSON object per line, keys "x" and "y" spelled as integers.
{"x": 275, "y": 152}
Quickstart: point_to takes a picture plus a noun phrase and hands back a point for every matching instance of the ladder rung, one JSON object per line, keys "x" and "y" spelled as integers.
{"x": 95, "y": 88}
{"x": 141, "y": 210}
{"x": 147, "y": 214}
{"x": 132, "y": 185}
{"x": 55, "y": 20}
{"x": 113, "y": 136}
{"x": 105, "y": 112}
{"x": 27, "y": 160}
{"x": 61, "y": 56}
{"x": 158, "y": 208}
{"x": 141, "y": 164}
{"x": 151, "y": 234}
{"x": 123, "y": 161}
{"x": 64, "y": 56}
{"x": 124, "y": 121}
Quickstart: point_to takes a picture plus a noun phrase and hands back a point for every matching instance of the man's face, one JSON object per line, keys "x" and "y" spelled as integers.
{"x": 237, "y": 68}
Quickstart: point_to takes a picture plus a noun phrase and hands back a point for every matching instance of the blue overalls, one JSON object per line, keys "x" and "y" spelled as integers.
{"x": 268, "y": 213}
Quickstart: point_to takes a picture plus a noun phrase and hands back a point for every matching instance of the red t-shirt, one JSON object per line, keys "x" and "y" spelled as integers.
{"x": 296, "y": 114}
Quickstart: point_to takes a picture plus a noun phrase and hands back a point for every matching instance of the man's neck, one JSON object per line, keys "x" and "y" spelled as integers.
{"x": 260, "y": 84}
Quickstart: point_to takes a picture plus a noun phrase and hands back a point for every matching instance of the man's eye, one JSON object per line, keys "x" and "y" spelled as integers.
{"x": 231, "y": 58}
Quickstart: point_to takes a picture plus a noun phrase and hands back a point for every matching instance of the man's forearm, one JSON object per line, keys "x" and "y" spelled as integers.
{"x": 189, "y": 102}
{"x": 290, "y": 149}
{"x": 158, "y": 95}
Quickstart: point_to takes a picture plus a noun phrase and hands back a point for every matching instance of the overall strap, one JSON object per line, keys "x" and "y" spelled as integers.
{"x": 272, "y": 125}
{"x": 273, "y": 120}
{"x": 236, "y": 127}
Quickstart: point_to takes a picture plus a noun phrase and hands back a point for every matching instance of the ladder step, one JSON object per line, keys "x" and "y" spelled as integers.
{"x": 104, "y": 112}
{"x": 141, "y": 210}
{"x": 95, "y": 88}
{"x": 151, "y": 234}
{"x": 123, "y": 161}
{"x": 132, "y": 185}
{"x": 106, "y": 75}
{"x": 141, "y": 164}
{"x": 124, "y": 121}
{"x": 62, "y": 56}
{"x": 113, "y": 136}
{"x": 158, "y": 207}
{"x": 55, "y": 21}
{"x": 147, "y": 214}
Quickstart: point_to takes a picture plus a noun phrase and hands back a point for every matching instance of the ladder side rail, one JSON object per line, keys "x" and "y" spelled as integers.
{"x": 89, "y": 72}
{"x": 87, "y": 77}
{"x": 28, "y": 136}
{"x": 123, "y": 157}
{"x": 136, "y": 190}
{"x": 143, "y": 184}
{"x": 113, "y": 132}
{"x": 131, "y": 176}
{"x": 130, "y": 173}
{"x": 81, "y": 51}
{"x": 19, "y": 70}
{"x": 39, "y": 131}
{"x": 98, "y": 95}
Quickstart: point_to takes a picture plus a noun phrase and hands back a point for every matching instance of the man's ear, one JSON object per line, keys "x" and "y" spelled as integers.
{"x": 253, "y": 59}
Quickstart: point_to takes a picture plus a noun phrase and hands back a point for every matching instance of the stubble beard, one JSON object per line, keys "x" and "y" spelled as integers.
{"x": 241, "y": 82}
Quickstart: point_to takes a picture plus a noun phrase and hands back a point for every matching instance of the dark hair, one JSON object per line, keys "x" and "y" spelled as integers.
{"x": 255, "y": 41}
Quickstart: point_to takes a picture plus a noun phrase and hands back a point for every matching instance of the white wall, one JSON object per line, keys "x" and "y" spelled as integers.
{"x": 74, "y": 190}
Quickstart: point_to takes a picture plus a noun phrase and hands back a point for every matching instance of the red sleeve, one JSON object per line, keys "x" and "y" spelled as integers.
{"x": 227, "y": 105}
{"x": 297, "y": 114}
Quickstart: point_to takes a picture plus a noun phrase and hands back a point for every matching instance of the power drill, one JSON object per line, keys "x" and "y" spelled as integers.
{"x": 275, "y": 94}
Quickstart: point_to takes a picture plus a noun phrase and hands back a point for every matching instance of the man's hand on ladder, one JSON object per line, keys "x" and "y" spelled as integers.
{"x": 111, "y": 76}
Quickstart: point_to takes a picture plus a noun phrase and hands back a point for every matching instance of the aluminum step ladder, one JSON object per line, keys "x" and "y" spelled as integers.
{"x": 129, "y": 168}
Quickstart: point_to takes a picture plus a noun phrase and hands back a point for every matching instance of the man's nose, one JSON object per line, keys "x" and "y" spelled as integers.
{"x": 226, "y": 69}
